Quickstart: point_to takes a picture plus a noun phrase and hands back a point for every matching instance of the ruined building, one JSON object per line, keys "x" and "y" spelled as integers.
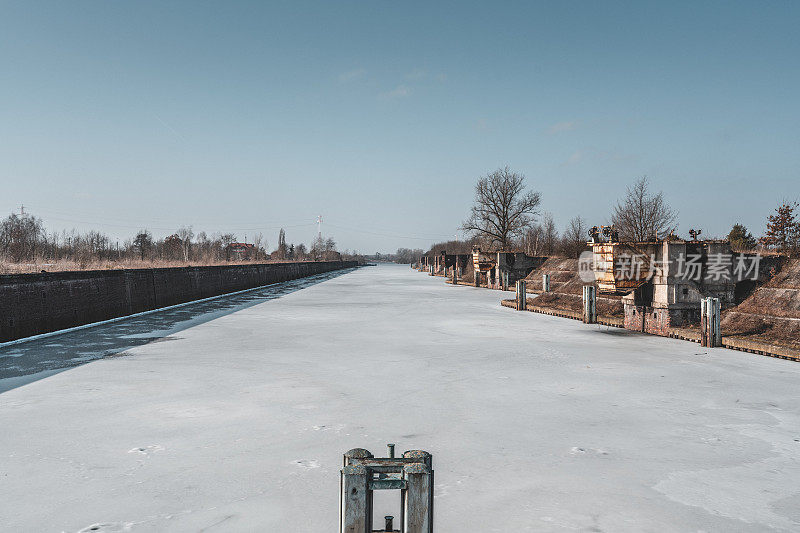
{"x": 663, "y": 281}
{"x": 501, "y": 270}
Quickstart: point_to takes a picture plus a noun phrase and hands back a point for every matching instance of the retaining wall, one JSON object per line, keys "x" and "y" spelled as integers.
{"x": 31, "y": 304}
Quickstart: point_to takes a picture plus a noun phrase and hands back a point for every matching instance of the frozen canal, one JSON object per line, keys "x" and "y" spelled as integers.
{"x": 535, "y": 423}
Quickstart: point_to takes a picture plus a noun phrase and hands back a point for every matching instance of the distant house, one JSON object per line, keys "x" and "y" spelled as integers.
{"x": 239, "y": 251}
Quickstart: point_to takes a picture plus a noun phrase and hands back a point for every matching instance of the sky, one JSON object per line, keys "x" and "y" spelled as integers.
{"x": 247, "y": 117}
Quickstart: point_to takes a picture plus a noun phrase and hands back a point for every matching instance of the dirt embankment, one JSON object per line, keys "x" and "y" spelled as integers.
{"x": 771, "y": 314}
{"x": 566, "y": 289}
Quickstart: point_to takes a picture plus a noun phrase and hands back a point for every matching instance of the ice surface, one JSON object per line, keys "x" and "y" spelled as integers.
{"x": 535, "y": 423}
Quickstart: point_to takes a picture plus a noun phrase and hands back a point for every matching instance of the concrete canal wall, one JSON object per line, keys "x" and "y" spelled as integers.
{"x": 31, "y": 304}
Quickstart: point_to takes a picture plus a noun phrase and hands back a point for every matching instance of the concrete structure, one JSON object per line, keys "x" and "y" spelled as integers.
{"x": 537, "y": 423}
{"x": 31, "y": 304}
{"x": 664, "y": 281}
{"x": 500, "y": 270}
{"x": 444, "y": 263}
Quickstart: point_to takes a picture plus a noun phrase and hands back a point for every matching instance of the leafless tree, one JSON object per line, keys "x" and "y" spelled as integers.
{"x": 185, "y": 234}
{"x": 574, "y": 240}
{"x": 643, "y": 216}
{"x": 502, "y": 209}
{"x": 21, "y": 236}
{"x": 225, "y": 241}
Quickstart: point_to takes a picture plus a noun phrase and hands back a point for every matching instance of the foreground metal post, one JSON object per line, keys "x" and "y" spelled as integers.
{"x": 521, "y": 297}
{"x": 589, "y": 304}
{"x": 362, "y": 474}
{"x": 710, "y": 327}
{"x": 545, "y": 282}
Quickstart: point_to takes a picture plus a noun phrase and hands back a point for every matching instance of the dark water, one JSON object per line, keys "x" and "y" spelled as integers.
{"x": 35, "y": 359}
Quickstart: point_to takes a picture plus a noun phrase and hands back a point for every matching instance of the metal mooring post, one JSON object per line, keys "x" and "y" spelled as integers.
{"x": 411, "y": 474}
{"x": 521, "y": 298}
{"x": 710, "y": 327}
{"x": 545, "y": 282}
{"x": 589, "y": 304}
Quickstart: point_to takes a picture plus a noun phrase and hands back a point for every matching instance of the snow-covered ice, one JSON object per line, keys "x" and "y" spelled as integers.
{"x": 535, "y": 423}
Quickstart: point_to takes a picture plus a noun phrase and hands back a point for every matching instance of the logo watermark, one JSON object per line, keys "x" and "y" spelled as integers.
{"x": 716, "y": 267}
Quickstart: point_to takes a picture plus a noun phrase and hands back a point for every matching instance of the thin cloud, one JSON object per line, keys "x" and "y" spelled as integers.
{"x": 573, "y": 159}
{"x": 352, "y": 75}
{"x": 401, "y": 91}
{"x": 416, "y": 74}
{"x": 560, "y": 127}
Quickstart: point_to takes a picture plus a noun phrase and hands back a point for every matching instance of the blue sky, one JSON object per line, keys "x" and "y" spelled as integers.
{"x": 249, "y": 116}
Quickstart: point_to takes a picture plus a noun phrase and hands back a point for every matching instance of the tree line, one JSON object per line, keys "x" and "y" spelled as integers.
{"x": 25, "y": 240}
{"x": 505, "y": 215}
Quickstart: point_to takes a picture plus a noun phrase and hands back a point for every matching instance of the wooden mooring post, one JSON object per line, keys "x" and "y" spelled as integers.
{"x": 521, "y": 297}
{"x": 411, "y": 474}
{"x": 710, "y": 327}
{"x": 589, "y": 304}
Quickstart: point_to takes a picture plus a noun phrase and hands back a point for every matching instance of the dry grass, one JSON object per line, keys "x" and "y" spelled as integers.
{"x": 72, "y": 266}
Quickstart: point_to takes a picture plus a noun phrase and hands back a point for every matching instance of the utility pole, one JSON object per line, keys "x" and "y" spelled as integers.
{"x": 319, "y": 227}
{"x": 22, "y": 210}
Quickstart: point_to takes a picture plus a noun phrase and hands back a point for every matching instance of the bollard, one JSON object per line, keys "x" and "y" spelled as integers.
{"x": 355, "y": 508}
{"x": 455, "y": 276}
{"x": 545, "y": 282}
{"x": 589, "y": 304}
{"x": 710, "y": 327}
{"x": 417, "y": 508}
{"x": 411, "y": 475}
{"x": 504, "y": 276}
{"x": 477, "y": 278}
{"x": 521, "y": 297}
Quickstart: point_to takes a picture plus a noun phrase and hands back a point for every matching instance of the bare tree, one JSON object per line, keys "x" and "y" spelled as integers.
{"x": 225, "y": 240}
{"x": 643, "y": 216}
{"x": 574, "y": 240}
{"x": 21, "y": 237}
{"x": 185, "y": 234}
{"x": 259, "y": 244}
{"x": 502, "y": 209}
{"x": 550, "y": 235}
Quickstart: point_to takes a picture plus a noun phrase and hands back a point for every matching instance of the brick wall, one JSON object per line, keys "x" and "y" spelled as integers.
{"x": 655, "y": 321}
{"x": 31, "y": 304}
